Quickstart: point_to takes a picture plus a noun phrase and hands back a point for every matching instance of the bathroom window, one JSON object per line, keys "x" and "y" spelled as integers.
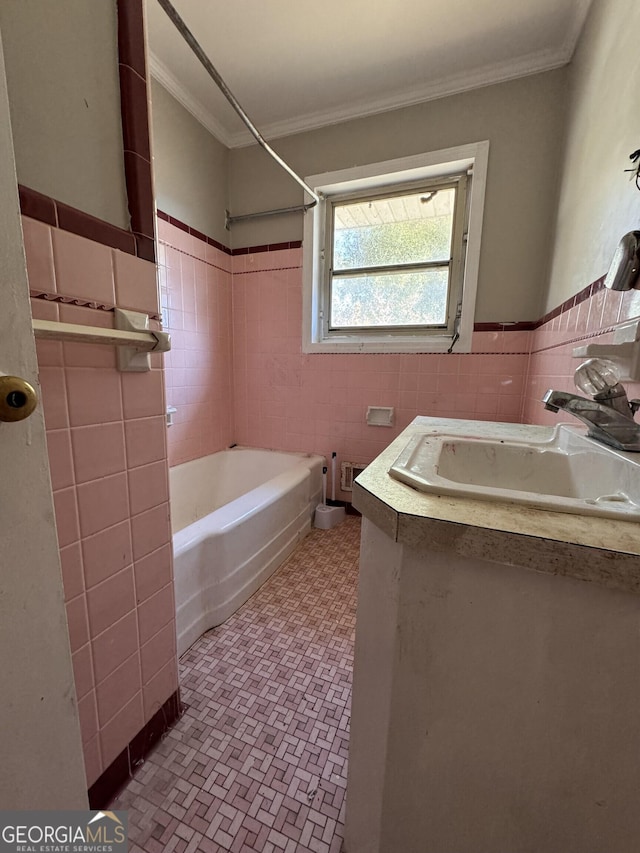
{"x": 395, "y": 259}
{"x": 390, "y": 261}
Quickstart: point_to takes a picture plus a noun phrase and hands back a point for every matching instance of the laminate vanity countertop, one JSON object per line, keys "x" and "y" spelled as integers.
{"x": 601, "y": 551}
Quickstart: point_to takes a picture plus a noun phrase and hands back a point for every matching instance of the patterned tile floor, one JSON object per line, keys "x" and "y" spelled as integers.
{"x": 259, "y": 760}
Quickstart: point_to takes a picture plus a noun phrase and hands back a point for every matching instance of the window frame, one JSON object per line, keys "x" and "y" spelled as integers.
{"x": 391, "y": 178}
{"x": 454, "y": 263}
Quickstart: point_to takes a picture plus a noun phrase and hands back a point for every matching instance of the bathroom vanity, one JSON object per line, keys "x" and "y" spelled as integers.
{"x": 496, "y": 700}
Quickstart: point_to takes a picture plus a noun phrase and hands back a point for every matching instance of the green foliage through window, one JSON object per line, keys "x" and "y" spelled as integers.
{"x": 411, "y": 230}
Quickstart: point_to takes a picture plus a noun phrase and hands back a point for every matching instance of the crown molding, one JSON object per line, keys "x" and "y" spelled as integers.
{"x": 455, "y": 84}
{"x": 161, "y": 73}
{"x": 581, "y": 10}
{"x": 444, "y": 87}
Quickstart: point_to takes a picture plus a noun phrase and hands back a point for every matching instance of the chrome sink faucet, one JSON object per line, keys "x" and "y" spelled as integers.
{"x": 609, "y": 414}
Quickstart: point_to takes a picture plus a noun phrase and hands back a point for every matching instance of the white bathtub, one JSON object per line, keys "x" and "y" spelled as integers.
{"x": 236, "y": 516}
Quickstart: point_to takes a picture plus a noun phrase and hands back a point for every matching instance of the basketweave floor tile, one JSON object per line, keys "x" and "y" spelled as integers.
{"x": 258, "y": 761}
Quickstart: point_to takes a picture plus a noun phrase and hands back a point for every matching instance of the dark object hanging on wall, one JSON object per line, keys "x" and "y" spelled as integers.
{"x": 635, "y": 159}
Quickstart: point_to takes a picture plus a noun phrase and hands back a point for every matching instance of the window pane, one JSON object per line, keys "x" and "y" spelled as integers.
{"x": 391, "y": 299}
{"x": 402, "y": 229}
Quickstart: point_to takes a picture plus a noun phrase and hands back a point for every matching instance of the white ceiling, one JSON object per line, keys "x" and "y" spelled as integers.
{"x": 295, "y": 65}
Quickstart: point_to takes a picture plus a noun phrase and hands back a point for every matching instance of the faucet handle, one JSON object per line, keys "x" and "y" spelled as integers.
{"x": 596, "y": 376}
{"x": 600, "y": 379}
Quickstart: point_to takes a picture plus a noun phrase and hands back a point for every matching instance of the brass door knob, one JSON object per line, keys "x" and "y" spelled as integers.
{"x": 18, "y": 398}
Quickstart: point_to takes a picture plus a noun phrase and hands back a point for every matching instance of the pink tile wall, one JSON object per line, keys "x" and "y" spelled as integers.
{"x": 286, "y": 400}
{"x": 108, "y": 458}
{"x": 237, "y": 372}
{"x": 551, "y": 363}
{"x": 290, "y": 401}
{"x": 195, "y": 294}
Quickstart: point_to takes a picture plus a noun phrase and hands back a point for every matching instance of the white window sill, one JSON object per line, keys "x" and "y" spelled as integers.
{"x": 433, "y": 343}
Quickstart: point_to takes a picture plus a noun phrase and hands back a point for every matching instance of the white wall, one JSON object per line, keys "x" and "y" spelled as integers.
{"x": 523, "y": 121}
{"x": 597, "y": 203}
{"x": 190, "y": 167}
{"x": 64, "y": 94}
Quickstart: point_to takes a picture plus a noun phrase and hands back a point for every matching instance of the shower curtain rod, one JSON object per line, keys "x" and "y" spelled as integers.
{"x": 278, "y": 211}
{"x": 190, "y": 39}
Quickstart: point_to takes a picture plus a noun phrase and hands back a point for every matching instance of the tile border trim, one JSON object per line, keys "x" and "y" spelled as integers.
{"x": 134, "y": 110}
{"x": 246, "y": 250}
{"x": 45, "y": 209}
{"x": 582, "y": 295}
{"x": 123, "y": 768}
{"x": 267, "y": 247}
{"x": 195, "y": 257}
{"x": 76, "y": 300}
{"x": 531, "y": 325}
{"x": 575, "y": 339}
{"x": 70, "y": 300}
{"x": 178, "y": 223}
{"x": 139, "y": 240}
{"x": 518, "y": 326}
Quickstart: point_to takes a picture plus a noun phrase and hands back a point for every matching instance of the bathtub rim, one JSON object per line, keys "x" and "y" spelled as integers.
{"x": 300, "y": 456}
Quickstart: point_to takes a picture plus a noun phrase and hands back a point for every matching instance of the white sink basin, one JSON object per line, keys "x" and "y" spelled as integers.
{"x": 567, "y": 472}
